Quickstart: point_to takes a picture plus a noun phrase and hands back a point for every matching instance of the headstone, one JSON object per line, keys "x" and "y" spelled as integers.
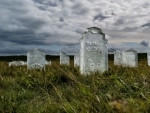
{"x": 48, "y": 62}
{"x": 17, "y": 63}
{"x": 77, "y": 59}
{"x": 148, "y": 58}
{"x": 64, "y": 59}
{"x": 130, "y": 58}
{"x": 93, "y": 51}
{"x": 36, "y": 59}
{"x": 117, "y": 58}
{"x": 25, "y": 63}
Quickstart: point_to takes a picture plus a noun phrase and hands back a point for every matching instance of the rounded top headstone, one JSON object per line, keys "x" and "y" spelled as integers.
{"x": 130, "y": 50}
{"x": 117, "y": 51}
{"x": 36, "y": 50}
{"x": 94, "y": 30}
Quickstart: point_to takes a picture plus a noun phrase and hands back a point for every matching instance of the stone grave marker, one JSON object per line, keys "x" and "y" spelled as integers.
{"x": 36, "y": 59}
{"x": 130, "y": 58}
{"x": 77, "y": 59}
{"x": 17, "y": 63}
{"x": 48, "y": 62}
{"x": 64, "y": 59}
{"x": 148, "y": 58}
{"x": 117, "y": 58}
{"x": 93, "y": 51}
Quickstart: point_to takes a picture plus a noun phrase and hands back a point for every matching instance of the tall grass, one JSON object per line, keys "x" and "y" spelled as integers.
{"x": 62, "y": 89}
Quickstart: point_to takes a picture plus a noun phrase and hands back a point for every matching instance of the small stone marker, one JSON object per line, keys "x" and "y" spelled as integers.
{"x": 64, "y": 59}
{"x": 17, "y": 63}
{"x": 148, "y": 58}
{"x": 48, "y": 63}
{"x": 130, "y": 58}
{"x": 93, "y": 51}
{"x": 117, "y": 58}
{"x": 77, "y": 59}
{"x": 36, "y": 59}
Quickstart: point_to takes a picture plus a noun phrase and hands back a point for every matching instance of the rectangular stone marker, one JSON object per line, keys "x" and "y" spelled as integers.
{"x": 130, "y": 58}
{"x": 64, "y": 59}
{"x": 148, "y": 58}
{"x": 77, "y": 59}
{"x": 48, "y": 62}
{"x": 17, "y": 63}
{"x": 117, "y": 58}
{"x": 36, "y": 59}
{"x": 93, "y": 51}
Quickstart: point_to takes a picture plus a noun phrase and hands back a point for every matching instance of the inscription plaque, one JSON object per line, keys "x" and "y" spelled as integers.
{"x": 36, "y": 59}
{"x": 64, "y": 59}
{"x": 117, "y": 58}
{"x": 93, "y": 51}
{"x": 130, "y": 58}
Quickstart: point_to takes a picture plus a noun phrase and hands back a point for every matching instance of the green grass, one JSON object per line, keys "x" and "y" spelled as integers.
{"x": 62, "y": 89}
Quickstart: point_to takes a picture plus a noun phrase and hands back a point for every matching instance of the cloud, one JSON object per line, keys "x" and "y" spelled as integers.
{"x": 58, "y": 23}
{"x": 147, "y": 24}
{"x": 144, "y": 43}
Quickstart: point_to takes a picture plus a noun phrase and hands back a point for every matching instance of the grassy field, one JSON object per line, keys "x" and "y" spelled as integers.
{"x": 62, "y": 89}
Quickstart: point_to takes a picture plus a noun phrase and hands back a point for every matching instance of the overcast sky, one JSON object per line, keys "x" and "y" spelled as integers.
{"x": 54, "y": 24}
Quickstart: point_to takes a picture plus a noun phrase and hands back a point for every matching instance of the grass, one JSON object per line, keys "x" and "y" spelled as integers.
{"x": 62, "y": 89}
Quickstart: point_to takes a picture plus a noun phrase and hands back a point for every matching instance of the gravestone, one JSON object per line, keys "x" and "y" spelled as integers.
{"x": 117, "y": 58}
{"x": 130, "y": 58}
{"x": 64, "y": 59}
{"x": 148, "y": 58}
{"x": 17, "y": 63}
{"x": 36, "y": 59}
{"x": 25, "y": 63}
{"x": 77, "y": 59}
{"x": 48, "y": 63}
{"x": 93, "y": 51}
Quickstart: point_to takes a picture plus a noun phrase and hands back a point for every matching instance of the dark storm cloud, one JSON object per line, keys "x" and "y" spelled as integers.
{"x": 31, "y": 23}
{"x": 119, "y": 22}
{"x": 13, "y": 51}
{"x": 25, "y": 37}
{"x": 99, "y": 17}
{"x": 80, "y": 9}
{"x": 61, "y": 19}
{"x": 144, "y": 43}
{"x": 147, "y": 24}
{"x": 25, "y": 24}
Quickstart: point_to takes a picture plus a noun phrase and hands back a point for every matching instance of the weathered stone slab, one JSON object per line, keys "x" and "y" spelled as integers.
{"x": 130, "y": 58}
{"x": 48, "y": 63}
{"x": 148, "y": 58}
{"x": 93, "y": 51}
{"x": 64, "y": 59}
{"x": 77, "y": 59}
{"x": 35, "y": 59}
{"x": 117, "y": 58}
{"x": 17, "y": 63}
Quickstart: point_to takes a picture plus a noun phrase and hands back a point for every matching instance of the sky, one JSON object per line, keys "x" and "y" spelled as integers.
{"x": 52, "y": 25}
